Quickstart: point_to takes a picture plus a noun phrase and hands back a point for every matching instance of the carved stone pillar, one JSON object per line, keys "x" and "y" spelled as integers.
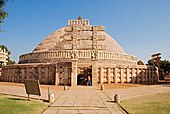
{"x": 149, "y": 75}
{"x": 115, "y": 75}
{"x": 146, "y": 75}
{"x": 94, "y": 71}
{"x": 157, "y": 74}
{"x": 127, "y": 75}
{"x": 108, "y": 75}
{"x": 56, "y": 76}
{"x": 46, "y": 75}
{"x": 94, "y": 60}
{"x": 74, "y": 73}
{"x": 133, "y": 75}
{"x": 142, "y": 75}
{"x": 138, "y": 76}
{"x": 74, "y": 59}
{"x": 122, "y": 75}
{"x": 101, "y": 75}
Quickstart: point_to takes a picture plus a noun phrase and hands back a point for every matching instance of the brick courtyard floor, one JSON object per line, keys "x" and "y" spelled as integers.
{"x": 85, "y": 99}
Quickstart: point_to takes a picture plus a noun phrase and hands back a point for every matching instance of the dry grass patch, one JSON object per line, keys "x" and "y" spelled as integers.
{"x": 151, "y": 104}
{"x": 16, "y": 105}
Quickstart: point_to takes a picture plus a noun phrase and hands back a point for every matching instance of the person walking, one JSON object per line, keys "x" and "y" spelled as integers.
{"x": 89, "y": 81}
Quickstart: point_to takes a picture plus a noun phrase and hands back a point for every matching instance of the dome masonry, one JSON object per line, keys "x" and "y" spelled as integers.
{"x": 75, "y": 52}
{"x": 62, "y": 39}
{"x": 81, "y": 37}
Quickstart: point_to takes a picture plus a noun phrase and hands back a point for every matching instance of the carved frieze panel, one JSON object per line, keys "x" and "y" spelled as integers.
{"x": 68, "y": 46}
{"x": 68, "y": 38}
{"x": 94, "y": 54}
{"x": 74, "y": 54}
{"x": 69, "y": 29}
{"x": 84, "y": 37}
{"x": 82, "y": 28}
{"x": 101, "y": 37}
{"x": 98, "y": 28}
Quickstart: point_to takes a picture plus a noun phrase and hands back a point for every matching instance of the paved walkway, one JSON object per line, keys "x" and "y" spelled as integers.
{"x": 84, "y": 100}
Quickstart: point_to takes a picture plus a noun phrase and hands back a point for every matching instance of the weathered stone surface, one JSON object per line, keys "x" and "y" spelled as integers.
{"x": 79, "y": 49}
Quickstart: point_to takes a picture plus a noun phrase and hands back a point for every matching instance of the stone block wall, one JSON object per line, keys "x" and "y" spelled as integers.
{"x": 131, "y": 74}
{"x": 45, "y": 73}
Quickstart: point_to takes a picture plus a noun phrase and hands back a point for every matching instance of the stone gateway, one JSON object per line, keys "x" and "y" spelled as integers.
{"x": 70, "y": 54}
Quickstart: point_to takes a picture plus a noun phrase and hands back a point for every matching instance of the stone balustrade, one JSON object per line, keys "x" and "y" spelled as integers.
{"x": 45, "y": 73}
{"x": 81, "y": 54}
{"x": 130, "y": 74}
{"x": 50, "y": 73}
{"x": 78, "y": 22}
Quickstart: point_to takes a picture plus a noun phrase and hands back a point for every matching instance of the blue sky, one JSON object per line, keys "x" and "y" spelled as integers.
{"x": 141, "y": 27}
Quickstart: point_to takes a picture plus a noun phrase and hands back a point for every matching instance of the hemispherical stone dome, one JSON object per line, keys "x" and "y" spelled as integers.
{"x": 81, "y": 41}
{"x": 59, "y": 40}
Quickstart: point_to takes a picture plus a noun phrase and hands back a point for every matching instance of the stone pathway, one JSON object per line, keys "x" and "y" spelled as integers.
{"x": 83, "y": 100}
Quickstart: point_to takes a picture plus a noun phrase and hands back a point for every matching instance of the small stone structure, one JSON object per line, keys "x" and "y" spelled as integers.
{"x": 71, "y": 53}
{"x": 3, "y": 56}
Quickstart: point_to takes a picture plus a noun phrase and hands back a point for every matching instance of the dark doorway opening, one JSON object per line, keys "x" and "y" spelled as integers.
{"x": 82, "y": 76}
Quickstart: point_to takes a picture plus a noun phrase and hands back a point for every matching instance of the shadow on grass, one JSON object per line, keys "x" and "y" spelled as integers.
{"x": 18, "y": 99}
{"x": 44, "y": 100}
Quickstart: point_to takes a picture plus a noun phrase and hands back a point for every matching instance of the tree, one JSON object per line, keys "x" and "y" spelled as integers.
{"x": 9, "y": 61}
{"x": 3, "y": 12}
{"x": 164, "y": 64}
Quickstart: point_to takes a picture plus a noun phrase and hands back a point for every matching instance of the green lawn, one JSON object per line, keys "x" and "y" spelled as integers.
{"x": 14, "y": 105}
{"x": 152, "y": 104}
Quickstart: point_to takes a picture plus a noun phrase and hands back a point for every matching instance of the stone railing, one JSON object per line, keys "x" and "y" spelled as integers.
{"x": 116, "y": 56}
{"x": 81, "y": 54}
{"x": 127, "y": 74}
{"x": 45, "y": 73}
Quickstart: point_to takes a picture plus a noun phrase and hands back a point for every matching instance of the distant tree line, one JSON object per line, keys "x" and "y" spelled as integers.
{"x": 164, "y": 64}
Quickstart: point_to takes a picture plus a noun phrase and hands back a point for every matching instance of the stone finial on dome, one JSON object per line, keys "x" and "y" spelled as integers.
{"x": 79, "y": 17}
{"x": 79, "y": 22}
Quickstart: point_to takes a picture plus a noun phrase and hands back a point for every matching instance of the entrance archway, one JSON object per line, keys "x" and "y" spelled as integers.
{"x": 82, "y": 76}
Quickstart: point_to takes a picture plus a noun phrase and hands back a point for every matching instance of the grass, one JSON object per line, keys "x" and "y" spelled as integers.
{"x": 14, "y": 105}
{"x": 152, "y": 104}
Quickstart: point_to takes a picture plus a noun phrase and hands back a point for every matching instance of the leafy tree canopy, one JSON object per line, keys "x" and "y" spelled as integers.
{"x": 164, "y": 64}
{"x": 3, "y": 12}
